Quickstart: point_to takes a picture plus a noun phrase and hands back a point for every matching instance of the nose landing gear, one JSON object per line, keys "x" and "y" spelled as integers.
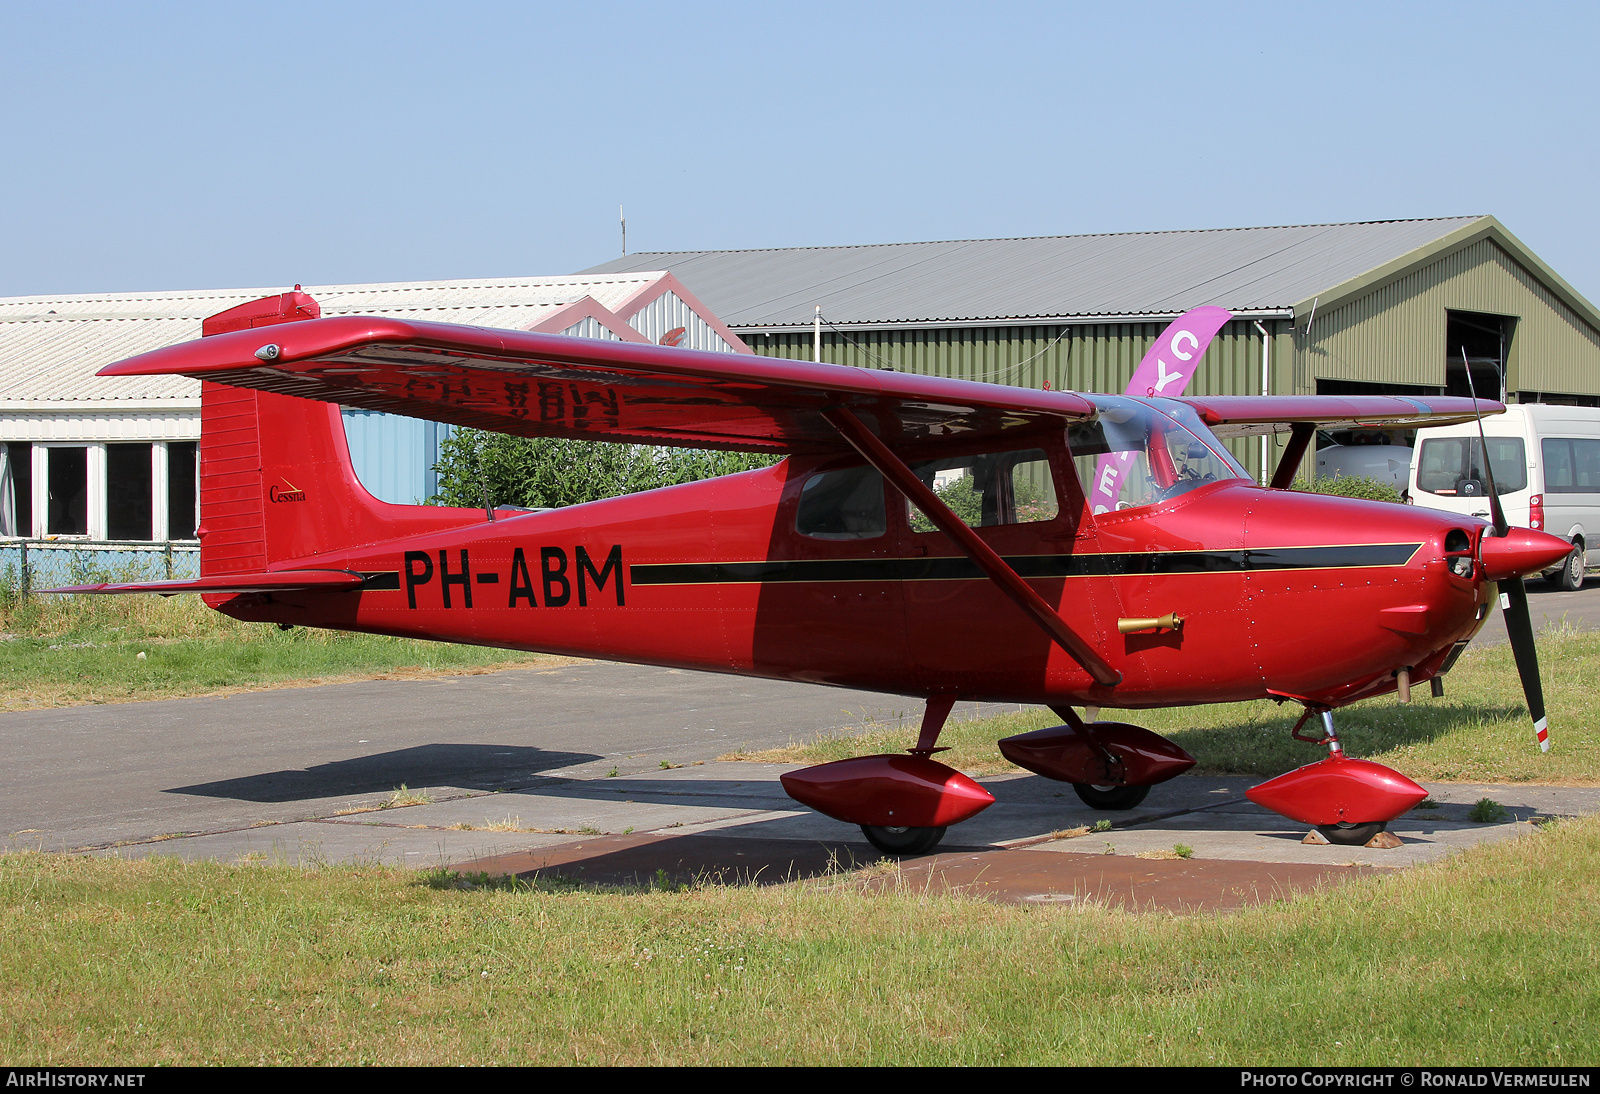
{"x": 1348, "y": 801}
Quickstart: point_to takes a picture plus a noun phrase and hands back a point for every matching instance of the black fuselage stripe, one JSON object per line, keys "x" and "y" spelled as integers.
{"x": 1035, "y": 566}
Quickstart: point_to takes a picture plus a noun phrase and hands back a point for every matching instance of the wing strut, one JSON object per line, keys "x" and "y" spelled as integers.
{"x": 1300, "y": 438}
{"x": 891, "y": 467}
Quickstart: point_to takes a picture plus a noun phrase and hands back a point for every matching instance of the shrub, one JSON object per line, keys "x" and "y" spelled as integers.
{"x": 1353, "y": 486}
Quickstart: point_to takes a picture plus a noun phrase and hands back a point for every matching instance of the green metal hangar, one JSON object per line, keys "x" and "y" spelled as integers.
{"x": 1385, "y": 307}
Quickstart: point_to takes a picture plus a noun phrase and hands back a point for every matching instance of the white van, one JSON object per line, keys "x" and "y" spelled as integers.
{"x": 1546, "y": 464}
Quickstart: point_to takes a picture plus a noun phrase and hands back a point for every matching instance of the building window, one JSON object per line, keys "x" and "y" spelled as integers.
{"x": 183, "y": 464}
{"x": 129, "y": 477}
{"x": 141, "y": 493}
{"x": 16, "y": 489}
{"x": 67, "y": 494}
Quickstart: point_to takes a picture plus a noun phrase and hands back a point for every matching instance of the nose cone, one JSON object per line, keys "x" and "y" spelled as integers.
{"x": 1520, "y": 551}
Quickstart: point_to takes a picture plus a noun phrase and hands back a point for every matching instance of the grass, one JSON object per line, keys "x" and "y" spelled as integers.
{"x": 1479, "y": 732}
{"x": 1487, "y": 811}
{"x": 403, "y": 797}
{"x": 1487, "y": 957}
{"x": 74, "y": 651}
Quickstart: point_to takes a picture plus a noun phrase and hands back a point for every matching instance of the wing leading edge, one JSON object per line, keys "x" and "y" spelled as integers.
{"x": 545, "y": 385}
{"x": 1252, "y": 415}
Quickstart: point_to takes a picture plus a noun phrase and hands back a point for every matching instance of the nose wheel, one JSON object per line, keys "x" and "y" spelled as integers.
{"x": 902, "y": 841}
{"x": 1351, "y": 835}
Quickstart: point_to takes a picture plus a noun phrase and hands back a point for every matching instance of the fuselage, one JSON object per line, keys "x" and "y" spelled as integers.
{"x": 1280, "y": 593}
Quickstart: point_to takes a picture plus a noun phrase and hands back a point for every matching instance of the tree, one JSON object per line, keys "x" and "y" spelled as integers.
{"x": 548, "y": 472}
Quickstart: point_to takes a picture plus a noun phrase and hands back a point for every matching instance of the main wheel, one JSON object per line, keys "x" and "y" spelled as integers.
{"x": 1351, "y": 835}
{"x": 902, "y": 841}
{"x": 1111, "y": 797}
{"x": 1570, "y": 576}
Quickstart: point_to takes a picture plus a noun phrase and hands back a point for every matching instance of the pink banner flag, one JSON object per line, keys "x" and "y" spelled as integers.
{"x": 1165, "y": 370}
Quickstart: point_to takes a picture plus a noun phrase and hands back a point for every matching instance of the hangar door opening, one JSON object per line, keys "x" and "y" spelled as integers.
{"x": 1484, "y": 341}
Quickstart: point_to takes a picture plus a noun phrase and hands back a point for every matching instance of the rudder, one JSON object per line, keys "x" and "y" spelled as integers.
{"x": 277, "y": 483}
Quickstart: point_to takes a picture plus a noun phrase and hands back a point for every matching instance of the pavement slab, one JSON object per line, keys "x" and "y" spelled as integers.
{"x": 1004, "y": 875}
{"x": 757, "y": 829}
{"x": 77, "y": 778}
{"x": 606, "y": 774}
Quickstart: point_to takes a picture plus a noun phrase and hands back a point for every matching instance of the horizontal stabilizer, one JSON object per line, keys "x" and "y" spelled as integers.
{"x": 276, "y": 581}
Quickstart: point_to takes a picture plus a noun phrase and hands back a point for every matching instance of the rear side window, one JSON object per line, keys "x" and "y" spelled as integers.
{"x": 1453, "y": 466}
{"x": 1571, "y": 466}
{"x": 845, "y": 504}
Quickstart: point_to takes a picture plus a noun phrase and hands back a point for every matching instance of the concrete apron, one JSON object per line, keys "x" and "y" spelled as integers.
{"x": 731, "y": 823}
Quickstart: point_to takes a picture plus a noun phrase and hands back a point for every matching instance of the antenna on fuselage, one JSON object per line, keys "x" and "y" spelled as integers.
{"x": 483, "y": 479}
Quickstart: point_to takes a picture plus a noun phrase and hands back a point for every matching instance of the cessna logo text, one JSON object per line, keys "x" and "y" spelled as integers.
{"x": 546, "y": 576}
{"x": 275, "y": 495}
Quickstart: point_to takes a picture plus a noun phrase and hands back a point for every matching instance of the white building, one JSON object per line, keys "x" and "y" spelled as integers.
{"x": 98, "y": 460}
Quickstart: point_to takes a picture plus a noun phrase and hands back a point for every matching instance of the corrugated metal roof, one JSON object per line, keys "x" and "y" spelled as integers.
{"x": 52, "y": 346}
{"x": 984, "y": 280}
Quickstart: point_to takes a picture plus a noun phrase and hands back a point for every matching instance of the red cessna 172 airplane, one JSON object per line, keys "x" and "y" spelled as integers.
{"x": 843, "y": 564}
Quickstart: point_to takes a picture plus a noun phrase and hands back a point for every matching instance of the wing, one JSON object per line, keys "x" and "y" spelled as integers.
{"x": 547, "y": 385}
{"x": 1251, "y": 415}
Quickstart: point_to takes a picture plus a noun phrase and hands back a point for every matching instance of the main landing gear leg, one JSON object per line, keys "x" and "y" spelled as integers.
{"x": 912, "y": 840}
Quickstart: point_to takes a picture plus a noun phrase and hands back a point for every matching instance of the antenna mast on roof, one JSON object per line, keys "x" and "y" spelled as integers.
{"x": 622, "y": 215}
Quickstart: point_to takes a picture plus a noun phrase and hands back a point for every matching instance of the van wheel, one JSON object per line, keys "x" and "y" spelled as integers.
{"x": 1570, "y": 576}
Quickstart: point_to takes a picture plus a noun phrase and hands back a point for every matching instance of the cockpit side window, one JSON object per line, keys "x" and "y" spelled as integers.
{"x": 990, "y": 488}
{"x": 843, "y": 504}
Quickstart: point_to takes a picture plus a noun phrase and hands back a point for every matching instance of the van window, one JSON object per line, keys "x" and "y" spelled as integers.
{"x": 1453, "y": 466}
{"x": 1571, "y": 466}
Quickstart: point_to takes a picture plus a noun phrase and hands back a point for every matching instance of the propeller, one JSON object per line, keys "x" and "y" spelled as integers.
{"x": 1504, "y": 562}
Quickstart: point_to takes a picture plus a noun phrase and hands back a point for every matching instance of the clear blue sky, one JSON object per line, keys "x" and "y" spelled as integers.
{"x": 166, "y": 145}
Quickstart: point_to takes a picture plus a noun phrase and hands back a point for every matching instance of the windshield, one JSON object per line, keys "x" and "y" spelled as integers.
{"x": 1134, "y": 453}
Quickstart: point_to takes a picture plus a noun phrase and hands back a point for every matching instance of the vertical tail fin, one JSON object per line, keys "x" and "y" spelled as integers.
{"x": 276, "y": 483}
